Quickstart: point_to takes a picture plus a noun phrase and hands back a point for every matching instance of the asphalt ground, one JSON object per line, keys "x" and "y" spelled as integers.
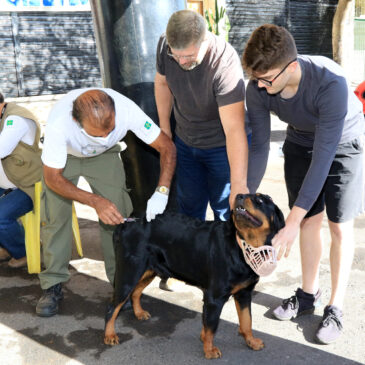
{"x": 171, "y": 336}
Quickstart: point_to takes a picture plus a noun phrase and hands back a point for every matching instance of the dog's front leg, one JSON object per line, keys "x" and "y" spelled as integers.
{"x": 243, "y": 304}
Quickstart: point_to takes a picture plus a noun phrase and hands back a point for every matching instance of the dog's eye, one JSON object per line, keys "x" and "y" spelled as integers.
{"x": 259, "y": 200}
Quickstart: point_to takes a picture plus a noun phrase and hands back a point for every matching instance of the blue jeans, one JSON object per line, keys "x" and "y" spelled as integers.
{"x": 202, "y": 176}
{"x": 12, "y": 206}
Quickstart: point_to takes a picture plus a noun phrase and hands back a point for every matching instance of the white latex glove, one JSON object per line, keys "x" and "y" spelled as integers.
{"x": 156, "y": 205}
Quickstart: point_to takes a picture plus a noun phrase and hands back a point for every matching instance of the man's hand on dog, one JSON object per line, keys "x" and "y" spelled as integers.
{"x": 235, "y": 190}
{"x": 156, "y": 205}
{"x": 107, "y": 211}
{"x": 284, "y": 239}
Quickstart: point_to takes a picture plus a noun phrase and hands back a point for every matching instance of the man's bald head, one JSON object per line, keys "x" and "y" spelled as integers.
{"x": 95, "y": 108}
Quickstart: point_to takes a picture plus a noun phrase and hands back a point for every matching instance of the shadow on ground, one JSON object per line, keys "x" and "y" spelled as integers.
{"x": 170, "y": 336}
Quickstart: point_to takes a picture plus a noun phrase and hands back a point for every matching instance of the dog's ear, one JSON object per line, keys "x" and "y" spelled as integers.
{"x": 278, "y": 218}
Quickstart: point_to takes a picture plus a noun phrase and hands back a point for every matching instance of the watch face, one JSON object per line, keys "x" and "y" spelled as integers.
{"x": 163, "y": 190}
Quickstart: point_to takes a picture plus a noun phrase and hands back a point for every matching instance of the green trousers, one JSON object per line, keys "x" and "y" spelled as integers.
{"x": 106, "y": 177}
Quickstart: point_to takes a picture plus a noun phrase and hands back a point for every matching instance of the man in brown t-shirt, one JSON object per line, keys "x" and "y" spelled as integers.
{"x": 199, "y": 75}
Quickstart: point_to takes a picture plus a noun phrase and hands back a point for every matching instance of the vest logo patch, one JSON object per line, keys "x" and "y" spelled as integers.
{"x": 9, "y": 122}
{"x": 147, "y": 125}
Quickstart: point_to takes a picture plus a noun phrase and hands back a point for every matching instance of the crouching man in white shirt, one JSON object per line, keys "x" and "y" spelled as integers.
{"x": 82, "y": 139}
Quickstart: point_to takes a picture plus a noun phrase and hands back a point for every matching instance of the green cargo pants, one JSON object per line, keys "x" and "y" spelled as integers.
{"x": 106, "y": 177}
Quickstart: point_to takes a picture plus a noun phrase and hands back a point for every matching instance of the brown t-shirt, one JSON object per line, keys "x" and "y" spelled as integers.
{"x": 198, "y": 93}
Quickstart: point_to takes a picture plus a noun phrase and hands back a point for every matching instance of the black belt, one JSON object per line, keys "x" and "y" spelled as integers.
{"x": 6, "y": 192}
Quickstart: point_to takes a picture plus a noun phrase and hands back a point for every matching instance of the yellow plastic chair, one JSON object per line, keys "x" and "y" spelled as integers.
{"x": 32, "y": 222}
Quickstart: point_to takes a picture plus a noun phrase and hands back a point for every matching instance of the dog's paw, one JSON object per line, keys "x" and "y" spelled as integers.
{"x": 143, "y": 315}
{"x": 213, "y": 353}
{"x": 111, "y": 340}
{"x": 255, "y": 343}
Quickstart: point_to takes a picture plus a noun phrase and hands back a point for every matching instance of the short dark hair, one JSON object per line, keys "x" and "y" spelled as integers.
{"x": 96, "y": 106}
{"x": 270, "y": 46}
{"x": 185, "y": 28}
{"x": 1, "y": 98}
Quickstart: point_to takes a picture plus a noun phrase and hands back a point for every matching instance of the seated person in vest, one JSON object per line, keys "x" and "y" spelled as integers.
{"x": 82, "y": 139}
{"x": 20, "y": 169}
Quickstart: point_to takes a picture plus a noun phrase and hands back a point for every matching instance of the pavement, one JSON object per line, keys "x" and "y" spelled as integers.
{"x": 171, "y": 336}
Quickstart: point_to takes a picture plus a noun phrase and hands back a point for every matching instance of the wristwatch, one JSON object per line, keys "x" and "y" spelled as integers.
{"x": 163, "y": 189}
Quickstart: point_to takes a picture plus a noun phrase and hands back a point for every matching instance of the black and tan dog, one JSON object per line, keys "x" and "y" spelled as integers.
{"x": 203, "y": 254}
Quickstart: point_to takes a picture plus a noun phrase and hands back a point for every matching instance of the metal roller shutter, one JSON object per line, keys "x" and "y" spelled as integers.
{"x": 8, "y": 76}
{"x": 54, "y": 52}
{"x": 310, "y": 22}
{"x": 245, "y": 16}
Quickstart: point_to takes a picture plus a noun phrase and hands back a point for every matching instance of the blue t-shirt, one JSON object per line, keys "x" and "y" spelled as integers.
{"x": 323, "y": 113}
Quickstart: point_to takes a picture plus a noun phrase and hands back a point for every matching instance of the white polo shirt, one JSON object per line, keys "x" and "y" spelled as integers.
{"x": 15, "y": 129}
{"x": 63, "y": 135}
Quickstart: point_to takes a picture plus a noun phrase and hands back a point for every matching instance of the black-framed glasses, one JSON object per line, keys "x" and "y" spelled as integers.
{"x": 268, "y": 82}
{"x": 178, "y": 58}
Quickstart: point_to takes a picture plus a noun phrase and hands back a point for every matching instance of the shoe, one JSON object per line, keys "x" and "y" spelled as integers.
{"x": 297, "y": 305}
{"x": 330, "y": 327}
{"x": 4, "y": 254}
{"x": 17, "y": 263}
{"x": 48, "y": 303}
{"x": 169, "y": 284}
{"x": 164, "y": 286}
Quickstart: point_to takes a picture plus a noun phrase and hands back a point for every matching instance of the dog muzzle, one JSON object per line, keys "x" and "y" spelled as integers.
{"x": 262, "y": 260}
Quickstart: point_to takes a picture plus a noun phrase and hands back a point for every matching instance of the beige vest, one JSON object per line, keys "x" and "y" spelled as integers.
{"x": 23, "y": 166}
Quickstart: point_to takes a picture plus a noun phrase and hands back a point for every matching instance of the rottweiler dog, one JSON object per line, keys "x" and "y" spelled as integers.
{"x": 204, "y": 254}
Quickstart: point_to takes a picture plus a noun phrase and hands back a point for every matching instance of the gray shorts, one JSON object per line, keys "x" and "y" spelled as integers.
{"x": 342, "y": 192}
